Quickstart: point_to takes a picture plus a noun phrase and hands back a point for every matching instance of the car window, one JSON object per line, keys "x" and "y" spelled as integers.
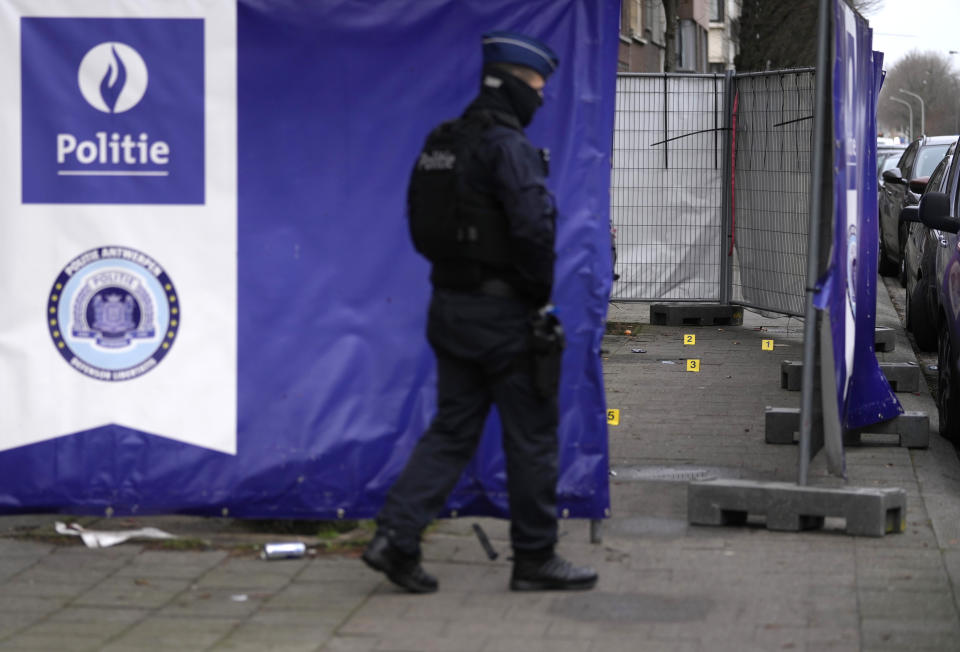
{"x": 945, "y": 181}
{"x": 954, "y": 182}
{"x": 895, "y": 153}
{"x": 888, "y": 163}
{"x": 927, "y": 159}
{"x": 906, "y": 161}
{"x": 881, "y": 159}
{"x": 936, "y": 177}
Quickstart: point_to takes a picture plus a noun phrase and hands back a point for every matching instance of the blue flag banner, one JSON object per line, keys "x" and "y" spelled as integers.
{"x": 849, "y": 289}
{"x": 211, "y": 301}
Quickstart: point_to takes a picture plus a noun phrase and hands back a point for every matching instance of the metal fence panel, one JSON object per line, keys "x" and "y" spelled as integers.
{"x": 666, "y": 196}
{"x": 773, "y": 122}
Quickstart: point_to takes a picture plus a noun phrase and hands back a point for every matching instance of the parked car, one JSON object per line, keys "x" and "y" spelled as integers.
{"x": 887, "y": 157}
{"x": 941, "y": 211}
{"x": 919, "y": 257}
{"x": 918, "y": 160}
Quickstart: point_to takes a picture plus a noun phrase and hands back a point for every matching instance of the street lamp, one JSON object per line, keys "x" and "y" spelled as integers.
{"x": 910, "y": 109}
{"x": 923, "y": 126}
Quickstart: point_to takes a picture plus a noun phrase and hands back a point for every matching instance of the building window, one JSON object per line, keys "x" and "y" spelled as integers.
{"x": 687, "y": 45}
{"x": 704, "y": 50}
{"x": 654, "y": 20}
{"x": 716, "y": 11}
{"x": 631, "y": 21}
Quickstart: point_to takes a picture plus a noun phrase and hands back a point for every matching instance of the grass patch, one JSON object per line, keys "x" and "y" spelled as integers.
{"x": 307, "y": 528}
{"x": 341, "y": 547}
{"x": 619, "y": 327}
{"x": 44, "y": 537}
{"x": 185, "y": 544}
{"x": 328, "y": 537}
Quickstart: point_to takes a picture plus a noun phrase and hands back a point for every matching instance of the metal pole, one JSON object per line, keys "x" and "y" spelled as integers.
{"x": 666, "y": 158}
{"x": 923, "y": 125}
{"x": 716, "y": 135}
{"x": 822, "y": 106}
{"x": 910, "y": 109}
{"x": 726, "y": 278}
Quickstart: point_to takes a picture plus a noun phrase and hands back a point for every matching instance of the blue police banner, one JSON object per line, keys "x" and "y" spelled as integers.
{"x": 849, "y": 289}
{"x": 211, "y": 301}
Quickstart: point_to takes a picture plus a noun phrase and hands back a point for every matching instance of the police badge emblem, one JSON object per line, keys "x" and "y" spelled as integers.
{"x": 113, "y": 313}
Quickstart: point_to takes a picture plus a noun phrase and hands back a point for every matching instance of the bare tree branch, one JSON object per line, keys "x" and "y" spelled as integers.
{"x": 776, "y": 34}
{"x": 929, "y": 75}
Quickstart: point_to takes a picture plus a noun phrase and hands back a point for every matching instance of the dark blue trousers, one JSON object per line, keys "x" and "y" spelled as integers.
{"x": 483, "y": 358}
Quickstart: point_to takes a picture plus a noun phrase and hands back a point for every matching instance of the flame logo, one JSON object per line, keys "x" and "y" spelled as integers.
{"x": 112, "y": 77}
{"x": 113, "y": 81}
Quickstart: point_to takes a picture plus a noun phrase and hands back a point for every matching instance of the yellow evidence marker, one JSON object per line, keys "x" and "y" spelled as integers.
{"x": 689, "y": 339}
{"x": 693, "y": 365}
{"x": 613, "y": 417}
{"x": 766, "y": 345}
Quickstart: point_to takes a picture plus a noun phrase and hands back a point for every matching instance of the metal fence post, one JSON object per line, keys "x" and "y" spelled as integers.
{"x": 726, "y": 219}
{"x": 666, "y": 135}
{"x": 810, "y": 326}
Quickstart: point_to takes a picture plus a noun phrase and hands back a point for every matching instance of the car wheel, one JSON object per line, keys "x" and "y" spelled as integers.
{"x": 948, "y": 387}
{"x": 924, "y": 333}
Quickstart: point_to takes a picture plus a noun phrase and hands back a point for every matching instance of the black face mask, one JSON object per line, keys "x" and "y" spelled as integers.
{"x": 524, "y": 100}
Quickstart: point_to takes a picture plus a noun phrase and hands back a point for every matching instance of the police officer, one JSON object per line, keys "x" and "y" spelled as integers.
{"x": 493, "y": 342}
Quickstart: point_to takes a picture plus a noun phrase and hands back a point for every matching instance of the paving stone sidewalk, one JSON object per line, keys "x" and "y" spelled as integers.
{"x": 664, "y": 585}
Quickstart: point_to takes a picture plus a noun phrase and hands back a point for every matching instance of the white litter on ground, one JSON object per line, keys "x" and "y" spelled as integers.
{"x": 107, "y": 538}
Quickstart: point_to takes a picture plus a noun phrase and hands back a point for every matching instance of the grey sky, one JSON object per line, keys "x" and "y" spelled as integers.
{"x": 903, "y": 25}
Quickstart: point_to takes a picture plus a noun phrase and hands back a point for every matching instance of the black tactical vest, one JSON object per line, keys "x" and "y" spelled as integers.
{"x": 449, "y": 220}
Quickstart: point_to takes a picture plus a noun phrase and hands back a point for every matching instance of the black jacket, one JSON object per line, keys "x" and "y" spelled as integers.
{"x": 508, "y": 168}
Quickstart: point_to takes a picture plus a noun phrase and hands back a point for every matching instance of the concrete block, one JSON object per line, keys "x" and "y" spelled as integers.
{"x": 912, "y": 427}
{"x": 782, "y": 426}
{"x": 789, "y": 507}
{"x": 695, "y": 314}
{"x": 791, "y": 374}
{"x": 596, "y": 530}
{"x": 902, "y": 376}
{"x": 884, "y": 339}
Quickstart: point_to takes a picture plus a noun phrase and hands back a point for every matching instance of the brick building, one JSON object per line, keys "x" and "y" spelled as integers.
{"x": 706, "y": 35}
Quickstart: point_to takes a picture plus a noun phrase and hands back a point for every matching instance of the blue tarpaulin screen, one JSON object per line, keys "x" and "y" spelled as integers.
{"x": 249, "y": 340}
{"x": 849, "y": 293}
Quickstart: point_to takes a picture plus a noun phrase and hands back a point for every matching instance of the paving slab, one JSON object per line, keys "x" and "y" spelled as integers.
{"x": 159, "y": 633}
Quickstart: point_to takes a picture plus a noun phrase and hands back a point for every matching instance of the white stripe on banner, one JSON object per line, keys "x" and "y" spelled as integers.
{"x": 849, "y": 306}
{"x": 118, "y": 214}
{"x": 111, "y": 173}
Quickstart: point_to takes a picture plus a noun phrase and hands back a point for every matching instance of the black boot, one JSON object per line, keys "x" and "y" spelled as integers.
{"x": 403, "y": 570}
{"x": 552, "y": 574}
